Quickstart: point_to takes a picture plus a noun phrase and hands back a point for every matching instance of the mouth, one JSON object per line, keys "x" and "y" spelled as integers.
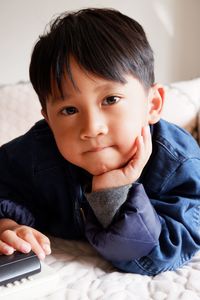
{"x": 96, "y": 149}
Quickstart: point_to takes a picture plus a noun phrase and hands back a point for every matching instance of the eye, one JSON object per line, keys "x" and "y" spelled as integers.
{"x": 111, "y": 100}
{"x": 67, "y": 111}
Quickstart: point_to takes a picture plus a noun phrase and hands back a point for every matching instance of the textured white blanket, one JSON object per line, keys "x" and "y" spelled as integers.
{"x": 84, "y": 275}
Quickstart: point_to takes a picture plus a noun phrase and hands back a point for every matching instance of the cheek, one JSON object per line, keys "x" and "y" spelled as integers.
{"x": 62, "y": 138}
{"x": 126, "y": 131}
{"x": 68, "y": 151}
{"x": 127, "y": 144}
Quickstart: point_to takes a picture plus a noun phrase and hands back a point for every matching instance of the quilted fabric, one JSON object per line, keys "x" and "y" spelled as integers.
{"x": 84, "y": 275}
{"x": 182, "y": 104}
{"x": 19, "y": 110}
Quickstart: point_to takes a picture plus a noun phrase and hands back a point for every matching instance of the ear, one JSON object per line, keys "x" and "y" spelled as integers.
{"x": 44, "y": 114}
{"x": 155, "y": 103}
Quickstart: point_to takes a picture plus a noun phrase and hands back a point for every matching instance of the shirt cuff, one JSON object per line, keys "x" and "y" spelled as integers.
{"x": 105, "y": 203}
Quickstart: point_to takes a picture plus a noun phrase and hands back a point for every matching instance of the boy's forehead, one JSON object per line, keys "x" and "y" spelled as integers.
{"x": 76, "y": 80}
{"x": 69, "y": 87}
{"x": 67, "y": 91}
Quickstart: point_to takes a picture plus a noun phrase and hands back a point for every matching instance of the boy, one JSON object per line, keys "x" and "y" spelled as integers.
{"x": 101, "y": 165}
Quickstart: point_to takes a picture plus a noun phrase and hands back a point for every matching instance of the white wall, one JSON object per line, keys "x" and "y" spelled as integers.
{"x": 172, "y": 26}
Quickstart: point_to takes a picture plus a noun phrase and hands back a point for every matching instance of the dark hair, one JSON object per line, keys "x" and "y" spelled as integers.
{"x": 103, "y": 41}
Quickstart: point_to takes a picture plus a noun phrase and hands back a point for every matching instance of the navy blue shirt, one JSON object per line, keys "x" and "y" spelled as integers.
{"x": 156, "y": 229}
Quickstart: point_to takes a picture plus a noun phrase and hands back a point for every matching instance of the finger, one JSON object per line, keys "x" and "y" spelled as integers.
{"x": 135, "y": 166}
{"x": 132, "y": 169}
{"x": 11, "y": 239}
{"x": 146, "y": 133}
{"x": 140, "y": 149}
{"x": 46, "y": 248}
{"x": 6, "y": 249}
{"x": 35, "y": 245}
{"x": 44, "y": 241}
{"x": 40, "y": 244}
{"x": 144, "y": 146}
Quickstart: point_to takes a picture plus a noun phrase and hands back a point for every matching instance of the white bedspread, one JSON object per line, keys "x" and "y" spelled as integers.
{"x": 84, "y": 275}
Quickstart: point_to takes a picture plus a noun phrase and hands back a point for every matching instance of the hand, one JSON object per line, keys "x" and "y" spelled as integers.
{"x": 22, "y": 238}
{"x": 132, "y": 170}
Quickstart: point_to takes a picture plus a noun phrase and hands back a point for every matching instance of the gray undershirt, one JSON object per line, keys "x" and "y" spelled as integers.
{"x": 105, "y": 203}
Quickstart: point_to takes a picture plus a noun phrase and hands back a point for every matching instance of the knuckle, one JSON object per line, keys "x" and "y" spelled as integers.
{"x": 6, "y": 233}
{"x": 46, "y": 239}
{"x": 24, "y": 232}
{"x": 22, "y": 229}
{"x": 27, "y": 235}
{"x": 18, "y": 229}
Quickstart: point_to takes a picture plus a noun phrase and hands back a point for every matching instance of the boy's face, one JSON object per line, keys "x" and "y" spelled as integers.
{"x": 96, "y": 124}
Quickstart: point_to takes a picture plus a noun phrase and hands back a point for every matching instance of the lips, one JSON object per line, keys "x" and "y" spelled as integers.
{"x": 96, "y": 149}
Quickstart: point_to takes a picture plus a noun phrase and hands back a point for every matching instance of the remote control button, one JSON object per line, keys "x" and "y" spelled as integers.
{"x": 30, "y": 278}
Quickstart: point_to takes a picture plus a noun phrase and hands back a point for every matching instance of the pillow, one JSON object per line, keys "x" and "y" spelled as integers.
{"x": 19, "y": 110}
{"x": 198, "y": 128}
{"x": 182, "y": 104}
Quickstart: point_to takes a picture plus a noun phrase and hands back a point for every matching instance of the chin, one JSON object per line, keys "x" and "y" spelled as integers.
{"x": 97, "y": 171}
{"x": 101, "y": 169}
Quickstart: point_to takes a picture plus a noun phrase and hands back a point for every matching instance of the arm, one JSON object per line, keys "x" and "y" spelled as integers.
{"x": 136, "y": 226}
{"x": 14, "y": 217}
{"x": 133, "y": 232}
{"x": 178, "y": 208}
{"x": 176, "y": 211}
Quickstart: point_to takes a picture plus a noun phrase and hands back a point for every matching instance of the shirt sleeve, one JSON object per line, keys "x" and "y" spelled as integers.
{"x": 105, "y": 203}
{"x": 171, "y": 219}
{"x": 134, "y": 231}
{"x": 178, "y": 207}
{"x": 12, "y": 205}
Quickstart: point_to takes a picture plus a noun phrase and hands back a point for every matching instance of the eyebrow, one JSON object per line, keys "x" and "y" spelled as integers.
{"x": 104, "y": 86}
{"x": 109, "y": 85}
{"x": 58, "y": 98}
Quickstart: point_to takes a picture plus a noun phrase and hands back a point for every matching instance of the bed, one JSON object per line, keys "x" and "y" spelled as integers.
{"x": 81, "y": 273}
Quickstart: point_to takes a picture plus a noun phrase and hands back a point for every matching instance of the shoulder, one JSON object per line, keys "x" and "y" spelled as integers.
{"x": 175, "y": 141}
{"x": 175, "y": 154}
{"x": 36, "y": 147}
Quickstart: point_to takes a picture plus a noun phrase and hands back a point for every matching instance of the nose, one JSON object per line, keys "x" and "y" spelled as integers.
{"x": 93, "y": 125}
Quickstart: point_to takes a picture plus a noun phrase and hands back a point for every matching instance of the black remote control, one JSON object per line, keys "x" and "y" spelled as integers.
{"x": 17, "y": 266}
